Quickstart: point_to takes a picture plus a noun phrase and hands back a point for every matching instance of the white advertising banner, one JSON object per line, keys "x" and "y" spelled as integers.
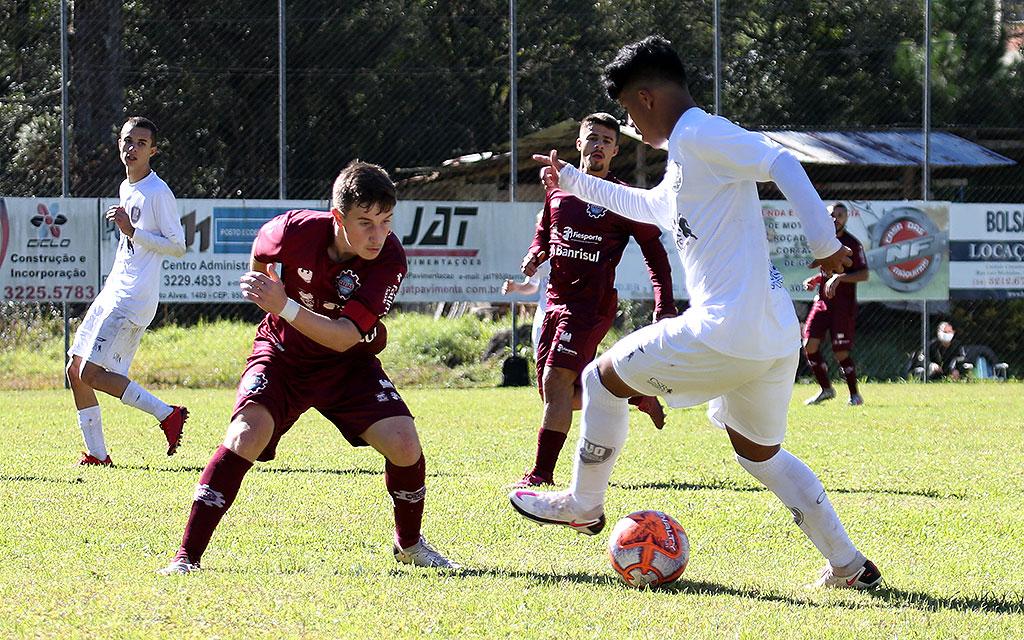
{"x": 986, "y": 251}
{"x": 49, "y": 249}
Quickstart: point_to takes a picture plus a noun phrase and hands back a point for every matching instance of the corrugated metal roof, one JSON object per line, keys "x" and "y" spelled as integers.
{"x": 885, "y": 148}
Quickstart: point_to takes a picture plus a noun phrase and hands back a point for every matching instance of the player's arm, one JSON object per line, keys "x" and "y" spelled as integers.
{"x": 171, "y": 239}
{"x": 538, "y": 251}
{"x": 642, "y": 205}
{"x": 658, "y": 268}
{"x": 262, "y": 286}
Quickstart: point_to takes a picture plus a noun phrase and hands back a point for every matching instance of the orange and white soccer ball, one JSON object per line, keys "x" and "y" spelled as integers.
{"x": 648, "y": 549}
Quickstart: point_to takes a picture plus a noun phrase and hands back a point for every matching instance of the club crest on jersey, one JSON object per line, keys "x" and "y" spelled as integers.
{"x": 305, "y": 274}
{"x": 254, "y": 383}
{"x": 346, "y": 284}
{"x": 135, "y": 214}
{"x": 677, "y": 180}
{"x": 594, "y": 211}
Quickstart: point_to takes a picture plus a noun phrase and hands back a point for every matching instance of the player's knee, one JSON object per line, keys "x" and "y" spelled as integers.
{"x": 558, "y": 381}
{"x": 404, "y": 449}
{"x": 73, "y": 370}
{"x": 90, "y": 374}
{"x": 249, "y": 432}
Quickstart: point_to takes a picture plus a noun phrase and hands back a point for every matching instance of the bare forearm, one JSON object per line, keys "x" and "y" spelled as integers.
{"x": 339, "y": 335}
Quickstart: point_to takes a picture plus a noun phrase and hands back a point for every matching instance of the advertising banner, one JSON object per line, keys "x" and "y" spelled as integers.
{"x": 906, "y": 243}
{"x": 49, "y": 249}
{"x": 986, "y": 251}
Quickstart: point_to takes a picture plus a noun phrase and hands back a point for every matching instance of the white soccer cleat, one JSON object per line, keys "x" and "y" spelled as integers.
{"x": 864, "y": 579}
{"x": 557, "y": 507}
{"x": 422, "y": 554}
{"x": 826, "y": 394}
{"x": 179, "y": 567}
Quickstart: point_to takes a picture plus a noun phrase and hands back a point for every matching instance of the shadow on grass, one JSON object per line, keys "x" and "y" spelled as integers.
{"x": 4, "y": 478}
{"x": 263, "y": 469}
{"x": 729, "y": 486}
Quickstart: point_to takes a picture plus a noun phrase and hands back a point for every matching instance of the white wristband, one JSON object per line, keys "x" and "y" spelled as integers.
{"x": 290, "y": 311}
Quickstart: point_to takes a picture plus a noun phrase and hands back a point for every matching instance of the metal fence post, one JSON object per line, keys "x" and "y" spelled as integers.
{"x": 65, "y": 154}
{"x": 513, "y": 144}
{"x": 282, "y": 140}
{"x": 716, "y": 20}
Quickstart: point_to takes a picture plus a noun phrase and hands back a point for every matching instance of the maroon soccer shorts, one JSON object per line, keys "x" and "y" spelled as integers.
{"x": 840, "y": 323}
{"x": 353, "y": 394}
{"x": 569, "y": 341}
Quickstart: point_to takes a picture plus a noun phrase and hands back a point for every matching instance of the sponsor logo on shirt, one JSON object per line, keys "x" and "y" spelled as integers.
{"x": 565, "y": 336}
{"x": 677, "y": 177}
{"x": 346, "y": 284}
{"x": 571, "y": 235}
{"x": 307, "y": 299}
{"x": 659, "y": 385}
{"x": 561, "y": 348}
{"x": 386, "y": 384}
{"x": 577, "y": 254}
{"x": 305, "y": 274}
{"x": 595, "y": 211}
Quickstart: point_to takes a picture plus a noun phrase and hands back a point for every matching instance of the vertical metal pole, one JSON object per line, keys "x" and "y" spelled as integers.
{"x": 718, "y": 56}
{"x": 924, "y": 338}
{"x": 65, "y": 156}
{"x": 282, "y": 141}
{"x": 926, "y": 116}
{"x": 513, "y": 112}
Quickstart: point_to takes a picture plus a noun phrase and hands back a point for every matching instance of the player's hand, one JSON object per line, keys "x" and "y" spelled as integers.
{"x": 552, "y": 165}
{"x": 835, "y": 263}
{"x": 832, "y": 285}
{"x": 508, "y": 286}
{"x": 531, "y": 261}
{"x": 265, "y": 289}
{"x": 810, "y": 284}
{"x": 120, "y": 217}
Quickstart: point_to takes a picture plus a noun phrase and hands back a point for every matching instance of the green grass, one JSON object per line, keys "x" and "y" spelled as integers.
{"x": 929, "y": 480}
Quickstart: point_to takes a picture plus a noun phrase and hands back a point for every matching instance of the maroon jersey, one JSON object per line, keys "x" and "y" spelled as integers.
{"x": 846, "y": 292}
{"x": 357, "y": 289}
{"x": 585, "y": 243}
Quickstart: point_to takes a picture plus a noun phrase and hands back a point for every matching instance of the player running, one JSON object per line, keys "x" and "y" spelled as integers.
{"x": 835, "y": 311}
{"x": 106, "y": 342}
{"x": 738, "y": 344}
{"x": 345, "y": 266}
{"x": 584, "y": 244}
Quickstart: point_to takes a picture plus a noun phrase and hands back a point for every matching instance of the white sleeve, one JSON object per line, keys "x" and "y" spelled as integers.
{"x": 817, "y": 225}
{"x": 171, "y": 239}
{"x": 642, "y": 205}
{"x": 733, "y": 153}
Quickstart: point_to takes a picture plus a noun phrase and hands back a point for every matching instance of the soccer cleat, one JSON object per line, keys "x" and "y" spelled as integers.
{"x": 826, "y": 394}
{"x": 533, "y": 479}
{"x": 422, "y": 554}
{"x": 89, "y": 460}
{"x": 864, "y": 579}
{"x": 856, "y": 400}
{"x": 556, "y": 507}
{"x": 653, "y": 408}
{"x": 173, "y": 427}
{"x": 179, "y": 566}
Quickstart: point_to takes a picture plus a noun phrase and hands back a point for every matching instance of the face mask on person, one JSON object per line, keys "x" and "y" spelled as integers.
{"x": 945, "y": 336}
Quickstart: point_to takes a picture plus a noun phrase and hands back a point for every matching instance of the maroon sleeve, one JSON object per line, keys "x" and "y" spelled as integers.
{"x": 860, "y": 261}
{"x": 648, "y": 237}
{"x": 375, "y": 295}
{"x": 542, "y": 235}
{"x": 267, "y": 247}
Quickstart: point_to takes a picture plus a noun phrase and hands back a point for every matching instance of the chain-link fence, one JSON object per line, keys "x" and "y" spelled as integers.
{"x": 246, "y": 93}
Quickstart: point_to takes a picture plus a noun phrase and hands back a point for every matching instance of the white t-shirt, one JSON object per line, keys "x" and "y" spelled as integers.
{"x": 708, "y": 201}
{"x": 133, "y": 285}
{"x": 540, "y": 278}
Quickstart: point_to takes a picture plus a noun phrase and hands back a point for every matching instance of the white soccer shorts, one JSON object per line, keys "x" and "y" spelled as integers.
{"x": 107, "y": 338}
{"x": 750, "y": 396}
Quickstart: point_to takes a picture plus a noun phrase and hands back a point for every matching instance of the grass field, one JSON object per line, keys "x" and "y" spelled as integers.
{"x": 929, "y": 480}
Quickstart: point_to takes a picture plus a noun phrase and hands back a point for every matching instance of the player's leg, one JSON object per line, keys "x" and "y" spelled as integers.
{"x": 106, "y": 369}
{"x": 755, "y": 418}
{"x": 849, "y": 369}
{"x": 90, "y": 420}
{"x": 842, "y": 332}
{"x": 814, "y": 332}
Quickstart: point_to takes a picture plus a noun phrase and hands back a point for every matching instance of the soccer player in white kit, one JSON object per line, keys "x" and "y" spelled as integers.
{"x": 738, "y": 345}
{"x": 105, "y": 343}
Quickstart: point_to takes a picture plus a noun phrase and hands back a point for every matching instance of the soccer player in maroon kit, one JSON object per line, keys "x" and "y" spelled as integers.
{"x": 584, "y": 243}
{"x": 345, "y": 267}
{"x": 835, "y": 311}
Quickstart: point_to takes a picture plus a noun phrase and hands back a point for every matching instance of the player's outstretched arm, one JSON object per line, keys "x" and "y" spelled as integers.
{"x": 642, "y": 205}
{"x": 263, "y": 287}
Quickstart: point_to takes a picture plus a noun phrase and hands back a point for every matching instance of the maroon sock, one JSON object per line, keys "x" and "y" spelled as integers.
{"x": 819, "y": 368}
{"x": 850, "y": 373}
{"x": 408, "y": 489}
{"x": 218, "y": 486}
{"x": 549, "y": 445}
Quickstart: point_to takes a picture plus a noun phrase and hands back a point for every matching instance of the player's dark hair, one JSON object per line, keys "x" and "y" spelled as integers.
{"x": 364, "y": 184}
{"x": 603, "y": 119}
{"x": 650, "y": 59}
{"x": 143, "y": 123}
{"x": 840, "y": 204}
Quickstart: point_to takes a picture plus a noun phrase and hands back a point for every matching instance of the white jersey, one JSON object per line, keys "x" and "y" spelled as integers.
{"x": 133, "y": 285}
{"x": 708, "y": 201}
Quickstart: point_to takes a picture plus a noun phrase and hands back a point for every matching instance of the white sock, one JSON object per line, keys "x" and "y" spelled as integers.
{"x": 803, "y": 494}
{"x": 91, "y": 423}
{"x": 135, "y": 396}
{"x": 603, "y": 430}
